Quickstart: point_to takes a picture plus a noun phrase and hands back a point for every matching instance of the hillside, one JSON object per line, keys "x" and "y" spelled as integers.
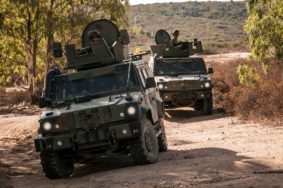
{"x": 217, "y": 24}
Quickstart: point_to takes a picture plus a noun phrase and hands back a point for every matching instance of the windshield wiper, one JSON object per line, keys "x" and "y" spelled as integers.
{"x": 87, "y": 98}
{"x": 62, "y": 103}
{"x": 82, "y": 99}
{"x": 197, "y": 72}
{"x": 174, "y": 74}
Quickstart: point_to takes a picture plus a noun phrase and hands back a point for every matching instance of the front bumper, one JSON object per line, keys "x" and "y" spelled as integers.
{"x": 101, "y": 136}
{"x": 179, "y": 98}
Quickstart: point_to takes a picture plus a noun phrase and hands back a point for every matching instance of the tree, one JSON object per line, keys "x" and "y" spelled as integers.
{"x": 23, "y": 29}
{"x": 31, "y": 26}
{"x": 265, "y": 28}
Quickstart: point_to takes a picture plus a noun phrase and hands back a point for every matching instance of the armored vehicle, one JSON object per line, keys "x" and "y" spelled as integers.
{"x": 182, "y": 80}
{"x": 104, "y": 105}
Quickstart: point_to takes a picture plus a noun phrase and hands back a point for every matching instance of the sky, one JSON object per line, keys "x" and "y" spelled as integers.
{"x": 135, "y": 2}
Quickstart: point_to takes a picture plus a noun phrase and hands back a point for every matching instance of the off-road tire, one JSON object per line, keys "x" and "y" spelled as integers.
{"x": 207, "y": 106}
{"x": 162, "y": 139}
{"x": 144, "y": 149}
{"x": 199, "y": 105}
{"x": 54, "y": 166}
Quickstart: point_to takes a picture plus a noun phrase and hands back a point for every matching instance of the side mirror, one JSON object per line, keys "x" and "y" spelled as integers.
{"x": 57, "y": 49}
{"x": 42, "y": 103}
{"x": 125, "y": 39}
{"x": 210, "y": 70}
{"x": 150, "y": 82}
{"x": 49, "y": 87}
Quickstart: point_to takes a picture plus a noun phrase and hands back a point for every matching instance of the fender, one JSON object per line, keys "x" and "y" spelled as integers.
{"x": 160, "y": 107}
{"x": 146, "y": 113}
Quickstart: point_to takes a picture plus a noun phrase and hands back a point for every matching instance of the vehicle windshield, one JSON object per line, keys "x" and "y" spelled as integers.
{"x": 176, "y": 67}
{"x": 95, "y": 84}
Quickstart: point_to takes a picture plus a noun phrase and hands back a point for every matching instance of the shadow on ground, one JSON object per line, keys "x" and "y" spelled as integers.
{"x": 20, "y": 167}
{"x": 190, "y": 167}
{"x": 223, "y": 159}
{"x": 187, "y": 115}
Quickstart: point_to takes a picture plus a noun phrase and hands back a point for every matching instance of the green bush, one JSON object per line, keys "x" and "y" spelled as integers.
{"x": 265, "y": 28}
{"x": 247, "y": 75}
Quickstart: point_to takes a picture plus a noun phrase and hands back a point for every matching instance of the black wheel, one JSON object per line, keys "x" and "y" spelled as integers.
{"x": 207, "y": 106}
{"x": 198, "y": 105}
{"x": 54, "y": 166}
{"x": 162, "y": 139}
{"x": 144, "y": 150}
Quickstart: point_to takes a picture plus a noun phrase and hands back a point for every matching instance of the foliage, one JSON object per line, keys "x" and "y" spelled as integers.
{"x": 265, "y": 28}
{"x": 1, "y": 20}
{"x": 12, "y": 67}
{"x": 30, "y": 27}
{"x": 247, "y": 75}
{"x": 22, "y": 32}
{"x": 262, "y": 102}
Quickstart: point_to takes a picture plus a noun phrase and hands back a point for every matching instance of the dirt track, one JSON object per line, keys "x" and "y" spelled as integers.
{"x": 225, "y": 57}
{"x": 204, "y": 151}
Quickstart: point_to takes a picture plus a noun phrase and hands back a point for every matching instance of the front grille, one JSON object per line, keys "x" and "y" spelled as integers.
{"x": 182, "y": 85}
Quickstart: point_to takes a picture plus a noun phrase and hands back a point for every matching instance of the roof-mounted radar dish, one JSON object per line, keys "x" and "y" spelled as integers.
{"x": 162, "y": 37}
{"x": 105, "y": 28}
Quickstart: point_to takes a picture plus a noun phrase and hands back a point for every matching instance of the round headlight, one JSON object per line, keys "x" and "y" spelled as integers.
{"x": 160, "y": 86}
{"x": 47, "y": 126}
{"x": 131, "y": 110}
{"x": 57, "y": 126}
{"x": 207, "y": 84}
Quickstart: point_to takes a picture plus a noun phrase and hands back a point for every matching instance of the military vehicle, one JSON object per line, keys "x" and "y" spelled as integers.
{"x": 182, "y": 80}
{"x": 105, "y": 105}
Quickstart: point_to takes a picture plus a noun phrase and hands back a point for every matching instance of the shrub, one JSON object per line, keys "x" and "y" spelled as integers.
{"x": 263, "y": 101}
{"x": 248, "y": 76}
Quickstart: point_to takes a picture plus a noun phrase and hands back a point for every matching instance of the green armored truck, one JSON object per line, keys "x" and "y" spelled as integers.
{"x": 182, "y": 80}
{"x": 104, "y": 105}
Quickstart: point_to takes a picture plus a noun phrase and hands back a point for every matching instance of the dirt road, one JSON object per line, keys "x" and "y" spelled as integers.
{"x": 204, "y": 151}
{"x": 225, "y": 57}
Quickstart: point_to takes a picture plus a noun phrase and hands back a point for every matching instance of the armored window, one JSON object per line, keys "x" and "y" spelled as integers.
{"x": 95, "y": 83}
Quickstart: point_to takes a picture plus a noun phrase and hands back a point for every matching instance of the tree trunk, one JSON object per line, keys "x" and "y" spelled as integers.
{"x": 29, "y": 52}
{"x": 30, "y": 70}
{"x": 50, "y": 39}
{"x": 34, "y": 64}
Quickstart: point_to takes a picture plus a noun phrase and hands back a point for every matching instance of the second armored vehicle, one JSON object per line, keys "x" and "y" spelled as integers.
{"x": 182, "y": 80}
{"x": 108, "y": 105}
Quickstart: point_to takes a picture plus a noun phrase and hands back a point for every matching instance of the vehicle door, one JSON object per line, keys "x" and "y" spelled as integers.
{"x": 152, "y": 97}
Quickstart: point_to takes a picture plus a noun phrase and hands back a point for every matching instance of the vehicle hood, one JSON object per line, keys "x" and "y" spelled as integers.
{"x": 89, "y": 114}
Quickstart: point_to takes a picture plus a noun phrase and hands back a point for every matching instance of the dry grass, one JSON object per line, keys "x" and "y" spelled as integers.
{"x": 15, "y": 100}
{"x": 13, "y": 96}
{"x": 262, "y": 102}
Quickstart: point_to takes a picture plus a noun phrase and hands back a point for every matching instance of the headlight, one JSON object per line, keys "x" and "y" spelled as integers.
{"x": 47, "y": 126}
{"x": 207, "y": 84}
{"x": 160, "y": 86}
{"x": 57, "y": 126}
{"x": 131, "y": 110}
